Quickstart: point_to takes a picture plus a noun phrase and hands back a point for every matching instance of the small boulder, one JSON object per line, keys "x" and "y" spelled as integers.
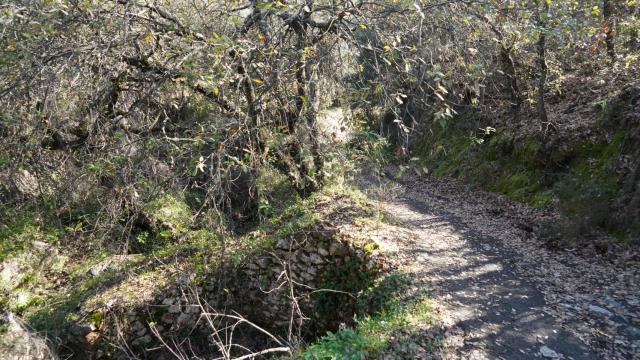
{"x": 549, "y": 353}
{"x": 18, "y": 342}
{"x": 12, "y": 273}
{"x": 26, "y": 184}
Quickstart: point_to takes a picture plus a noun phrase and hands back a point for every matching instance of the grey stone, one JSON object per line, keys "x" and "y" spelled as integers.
{"x": 371, "y": 264}
{"x": 18, "y": 342}
{"x": 600, "y": 310}
{"x": 323, "y": 252}
{"x": 263, "y": 262}
{"x": 316, "y": 259}
{"x": 547, "y": 352}
{"x": 168, "y": 301}
{"x": 283, "y": 244}
{"x": 142, "y": 341}
{"x": 41, "y": 257}
{"x": 304, "y": 258}
{"x": 12, "y": 274}
{"x": 308, "y": 277}
{"x": 113, "y": 263}
{"x": 184, "y": 279}
{"x": 137, "y": 326}
{"x": 184, "y": 319}
{"x": 192, "y": 309}
{"x": 26, "y": 184}
{"x": 43, "y": 246}
{"x": 338, "y": 249}
{"x": 294, "y": 275}
{"x": 633, "y": 332}
{"x": 98, "y": 269}
{"x": 174, "y": 309}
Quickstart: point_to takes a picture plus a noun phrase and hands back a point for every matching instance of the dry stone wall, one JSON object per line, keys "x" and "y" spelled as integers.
{"x": 259, "y": 289}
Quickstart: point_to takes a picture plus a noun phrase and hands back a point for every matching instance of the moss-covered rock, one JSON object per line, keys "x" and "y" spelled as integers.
{"x": 170, "y": 214}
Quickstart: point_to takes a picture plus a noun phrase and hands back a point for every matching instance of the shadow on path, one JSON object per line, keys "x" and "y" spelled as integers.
{"x": 494, "y": 312}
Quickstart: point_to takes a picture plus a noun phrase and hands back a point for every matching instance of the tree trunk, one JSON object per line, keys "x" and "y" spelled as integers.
{"x": 318, "y": 159}
{"x": 633, "y": 42}
{"x": 542, "y": 62}
{"x": 608, "y": 9}
{"x": 509, "y": 68}
{"x": 305, "y": 174}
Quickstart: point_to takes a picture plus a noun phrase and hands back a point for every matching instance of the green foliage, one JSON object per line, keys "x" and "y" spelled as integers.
{"x": 523, "y": 186}
{"x": 274, "y": 191}
{"x": 346, "y": 344}
{"x": 22, "y": 229}
{"x": 385, "y": 309}
{"x": 24, "y": 299}
{"x": 285, "y": 214}
{"x": 578, "y": 176}
{"x": 350, "y": 278}
{"x": 371, "y": 148}
{"x": 589, "y": 187}
{"x": 62, "y": 309}
{"x": 383, "y": 293}
{"x": 178, "y": 101}
{"x": 170, "y": 211}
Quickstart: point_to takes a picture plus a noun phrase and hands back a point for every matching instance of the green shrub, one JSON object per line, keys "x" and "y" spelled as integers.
{"x": 385, "y": 309}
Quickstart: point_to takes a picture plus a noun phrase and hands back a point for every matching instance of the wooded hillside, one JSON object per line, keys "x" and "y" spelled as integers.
{"x": 167, "y": 164}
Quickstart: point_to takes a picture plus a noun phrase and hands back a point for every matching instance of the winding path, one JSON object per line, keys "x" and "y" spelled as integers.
{"x": 497, "y": 288}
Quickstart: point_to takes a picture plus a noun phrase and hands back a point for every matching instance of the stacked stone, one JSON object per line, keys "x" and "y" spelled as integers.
{"x": 260, "y": 288}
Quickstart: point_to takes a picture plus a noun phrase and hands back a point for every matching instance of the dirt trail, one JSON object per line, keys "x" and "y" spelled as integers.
{"x": 501, "y": 294}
